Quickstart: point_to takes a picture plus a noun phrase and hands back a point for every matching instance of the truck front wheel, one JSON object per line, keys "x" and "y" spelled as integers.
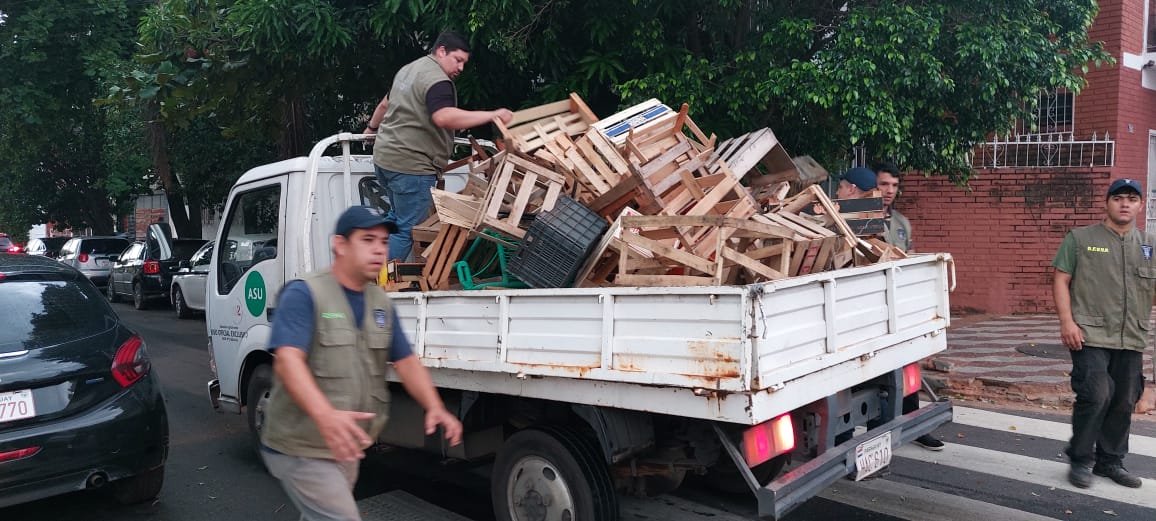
{"x": 257, "y": 400}
{"x": 551, "y": 474}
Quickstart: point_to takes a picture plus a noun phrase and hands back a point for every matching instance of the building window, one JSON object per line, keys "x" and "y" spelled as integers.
{"x": 1151, "y": 40}
{"x": 1055, "y": 115}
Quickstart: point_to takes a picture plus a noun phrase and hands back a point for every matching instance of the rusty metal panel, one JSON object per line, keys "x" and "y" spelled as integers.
{"x": 691, "y": 335}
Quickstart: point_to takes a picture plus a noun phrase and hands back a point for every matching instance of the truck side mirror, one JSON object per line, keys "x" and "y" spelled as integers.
{"x": 184, "y": 265}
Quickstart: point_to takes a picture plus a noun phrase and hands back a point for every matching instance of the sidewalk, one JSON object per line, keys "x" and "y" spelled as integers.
{"x": 1017, "y": 358}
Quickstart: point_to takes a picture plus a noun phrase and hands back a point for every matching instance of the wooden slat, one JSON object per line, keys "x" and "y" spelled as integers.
{"x": 751, "y": 264}
{"x": 661, "y": 280}
{"x": 682, "y": 257}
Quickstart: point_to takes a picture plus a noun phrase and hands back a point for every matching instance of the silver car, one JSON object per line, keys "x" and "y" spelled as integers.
{"x": 93, "y": 256}
{"x": 188, "y": 290}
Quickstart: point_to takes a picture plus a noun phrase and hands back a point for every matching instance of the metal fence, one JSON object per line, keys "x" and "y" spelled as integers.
{"x": 1054, "y": 150}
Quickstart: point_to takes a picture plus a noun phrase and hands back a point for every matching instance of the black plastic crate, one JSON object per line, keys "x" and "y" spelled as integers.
{"x": 557, "y": 244}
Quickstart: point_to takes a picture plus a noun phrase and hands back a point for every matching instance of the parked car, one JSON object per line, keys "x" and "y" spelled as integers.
{"x": 7, "y": 246}
{"x": 93, "y": 256}
{"x": 187, "y": 294}
{"x": 144, "y": 270}
{"x": 80, "y": 406}
{"x": 46, "y": 246}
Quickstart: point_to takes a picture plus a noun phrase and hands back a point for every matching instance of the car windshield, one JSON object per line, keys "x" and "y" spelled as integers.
{"x": 46, "y": 311}
{"x": 184, "y": 250}
{"x": 101, "y": 246}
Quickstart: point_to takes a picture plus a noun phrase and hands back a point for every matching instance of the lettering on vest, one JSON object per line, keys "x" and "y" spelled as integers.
{"x": 1098, "y": 249}
{"x": 333, "y": 315}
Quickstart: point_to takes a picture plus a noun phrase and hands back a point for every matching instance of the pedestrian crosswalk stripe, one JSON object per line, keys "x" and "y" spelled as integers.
{"x": 1028, "y": 469}
{"x": 1139, "y": 445}
{"x": 920, "y": 504}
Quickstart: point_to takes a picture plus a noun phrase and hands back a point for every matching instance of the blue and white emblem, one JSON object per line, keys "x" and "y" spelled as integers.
{"x": 1147, "y": 250}
{"x": 902, "y": 233}
{"x": 379, "y": 317}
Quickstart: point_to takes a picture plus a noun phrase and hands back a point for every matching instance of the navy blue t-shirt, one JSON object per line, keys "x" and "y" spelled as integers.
{"x": 293, "y": 323}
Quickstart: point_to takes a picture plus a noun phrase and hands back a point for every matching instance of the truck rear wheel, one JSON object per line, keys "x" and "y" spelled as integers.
{"x": 551, "y": 474}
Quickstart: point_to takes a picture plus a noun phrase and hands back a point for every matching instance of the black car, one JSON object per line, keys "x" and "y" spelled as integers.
{"x": 80, "y": 406}
{"x": 46, "y": 246}
{"x": 144, "y": 271}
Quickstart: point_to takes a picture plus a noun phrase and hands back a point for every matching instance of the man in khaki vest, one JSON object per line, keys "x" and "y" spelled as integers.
{"x": 333, "y": 336}
{"x": 414, "y": 126}
{"x": 1104, "y": 285}
{"x": 897, "y": 232}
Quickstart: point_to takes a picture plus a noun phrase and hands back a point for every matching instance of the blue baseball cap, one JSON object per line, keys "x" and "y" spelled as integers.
{"x": 1122, "y": 185}
{"x": 362, "y": 218}
{"x": 863, "y": 178}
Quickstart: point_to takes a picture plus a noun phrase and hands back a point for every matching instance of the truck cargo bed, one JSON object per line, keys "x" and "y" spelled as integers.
{"x": 740, "y": 354}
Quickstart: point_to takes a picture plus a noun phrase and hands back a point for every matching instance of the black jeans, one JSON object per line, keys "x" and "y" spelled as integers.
{"x": 1107, "y": 383}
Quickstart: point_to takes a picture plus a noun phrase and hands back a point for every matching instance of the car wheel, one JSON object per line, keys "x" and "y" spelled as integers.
{"x": 112, "y": 296}
{"x": 257, "y": 401}
{"x": 179, "y": 304}
{"x": 139, "y": 488}
{"x": 551, "y": 474}
{"x": 138, "y": 298}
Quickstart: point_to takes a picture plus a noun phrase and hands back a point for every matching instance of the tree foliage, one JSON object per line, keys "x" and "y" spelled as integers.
{"x": 55, "y": 58}
{"x": 234, "y": 83}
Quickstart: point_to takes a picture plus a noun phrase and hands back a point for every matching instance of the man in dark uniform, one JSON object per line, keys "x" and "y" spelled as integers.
{"x": 1104, "y": 285}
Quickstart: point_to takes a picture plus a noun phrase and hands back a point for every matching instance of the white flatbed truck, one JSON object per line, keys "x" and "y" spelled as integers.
{"x": 579, "y": 394}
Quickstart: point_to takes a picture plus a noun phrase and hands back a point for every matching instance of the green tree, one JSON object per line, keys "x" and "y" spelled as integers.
{"x": 54, "y": 57}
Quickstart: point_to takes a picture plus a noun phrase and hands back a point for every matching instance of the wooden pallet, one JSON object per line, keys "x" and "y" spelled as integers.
{"x": 594, "y": 163}
{"x": 520, "y": 186}
{"x": 532, "y": 128}
{"x": 441, "y": 255}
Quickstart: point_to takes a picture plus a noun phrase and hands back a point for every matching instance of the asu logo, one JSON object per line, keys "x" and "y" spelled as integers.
{"x": 1098, "y": 249}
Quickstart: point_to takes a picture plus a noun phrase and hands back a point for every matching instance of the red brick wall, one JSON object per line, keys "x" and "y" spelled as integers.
{"x": 145, "y": 217}
{"x": 1003, "y": 230}
{"x": 1004, "y": 227}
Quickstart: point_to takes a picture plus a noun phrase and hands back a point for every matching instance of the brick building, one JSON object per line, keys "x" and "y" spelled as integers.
{"x": 1031, "y": 187}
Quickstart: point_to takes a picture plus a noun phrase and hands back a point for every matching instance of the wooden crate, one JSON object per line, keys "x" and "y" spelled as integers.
{"x": 519, "y": 186}
{"x": 531, "y": 129}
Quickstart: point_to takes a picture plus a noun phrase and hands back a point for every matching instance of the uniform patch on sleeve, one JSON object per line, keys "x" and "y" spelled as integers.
{"x": 379, "y": 317}
{"x": 1147, "y": 250}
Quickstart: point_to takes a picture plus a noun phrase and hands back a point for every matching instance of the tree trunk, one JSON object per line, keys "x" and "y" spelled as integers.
{"x": 293, "y": 141}
{"x": 159, "y": 153}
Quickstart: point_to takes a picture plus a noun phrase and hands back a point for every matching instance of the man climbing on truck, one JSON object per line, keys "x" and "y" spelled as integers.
{"x": 414, "y": 127}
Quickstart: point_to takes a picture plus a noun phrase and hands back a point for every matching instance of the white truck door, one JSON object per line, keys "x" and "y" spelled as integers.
{"x": 246, "y": 275}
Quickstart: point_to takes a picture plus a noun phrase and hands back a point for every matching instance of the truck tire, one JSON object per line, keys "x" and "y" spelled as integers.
{"x": 551, "y": 473}
{"x": 179, "y": 304}
{"x": 139, "y": 488}
{"x": 256, "y": 401}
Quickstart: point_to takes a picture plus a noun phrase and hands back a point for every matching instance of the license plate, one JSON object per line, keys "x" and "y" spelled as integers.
{"x": 102, "y": 263}
{"x": 872, "y": 455}
{"x": 16, "y": 405}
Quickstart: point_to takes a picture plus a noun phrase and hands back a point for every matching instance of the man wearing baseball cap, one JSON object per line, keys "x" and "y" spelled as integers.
{"x": 1104, "y": 285}
{"x": 333, "y": 336}
{"x": 855, "y": 183}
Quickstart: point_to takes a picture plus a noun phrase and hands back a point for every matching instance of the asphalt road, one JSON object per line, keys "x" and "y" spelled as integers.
{"x": 214, "y": 474}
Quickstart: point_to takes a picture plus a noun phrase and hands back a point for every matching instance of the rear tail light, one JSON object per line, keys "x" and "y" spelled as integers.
{"x": 912, "y": 379}
{"x": 152, "y": 267}
{"x": 130, "y": 363}
{"x": 768, "y": 439}
{"x": 83, "y": 257}
{"x": 13, "y": 455}
{"x": 14, "y": 249}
